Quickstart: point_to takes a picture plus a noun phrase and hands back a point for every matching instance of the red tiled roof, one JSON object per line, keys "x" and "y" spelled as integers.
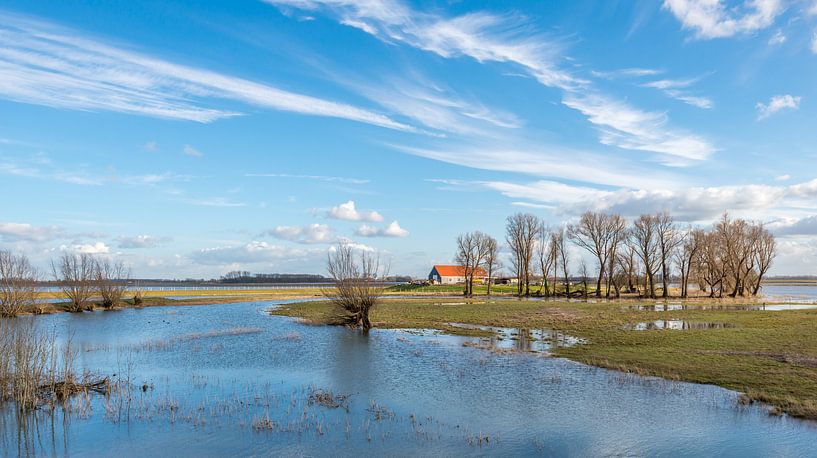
{"x": 458, "y": 271}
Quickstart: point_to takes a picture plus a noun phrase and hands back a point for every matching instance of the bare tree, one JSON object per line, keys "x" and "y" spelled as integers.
{"x": 629, "y": 266}
{"x": 764, "y": 253}
{"x": 111, "y": 281}
{"x": 75, "y": 275}
{"x": 690, "y": 242}
{"x": 596, "y": 232}
{"x": 17, "y": 284}
{"x": 466, "y": 252}
{"x": 545, "y": 255}
{"x": 736, "y": 249}
{"x": 472, "y": 248}
{"x": 521, "y": 231}
{"x": 618, "y": 235}
{"x": 618, "y": 276}
{"x": 358, "y": 281}
{"x": 583, "y": 271}
{"x": 668, "y": 240}
{"x": 492, "y": 261}
{"x": 710, "y": 265}
{"x": 559, "y": 241}
{"x": 644, "y": 239}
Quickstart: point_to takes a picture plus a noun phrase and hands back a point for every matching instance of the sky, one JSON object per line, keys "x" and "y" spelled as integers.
{"x": 192, "y": 138}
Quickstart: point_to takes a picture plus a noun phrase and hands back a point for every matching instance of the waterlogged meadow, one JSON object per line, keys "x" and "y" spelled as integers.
{"x": 231, "y": 379}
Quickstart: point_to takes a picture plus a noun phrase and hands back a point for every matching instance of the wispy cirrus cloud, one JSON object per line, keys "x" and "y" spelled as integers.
{"x": 45, "y": 64}
{"x": 626, "y": 73}
{"x": 510, "y": 39}
{"x": 191, "y": 151}
{"x": 331, "y": 179}
{"x": 480, "y": 36}
{"x": 677, "y": 89}
{"x": 776, "y": 104}
{"x": 222, "y": 202}
{"x": 715, "y": 19}
{"x": 544, "y": 160}
{"x": 630, "y": 128}
{"x": 777, "y": 39}
{"x": 152, "y": 179}
{"x": 40, "y": 167}
{"x": 436, "y": 107}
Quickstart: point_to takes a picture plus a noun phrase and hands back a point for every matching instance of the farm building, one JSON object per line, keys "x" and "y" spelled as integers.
{"x": 451, "y": 275}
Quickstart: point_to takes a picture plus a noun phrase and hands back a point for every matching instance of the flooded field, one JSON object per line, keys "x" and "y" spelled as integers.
{"x": 677, "y": 325}
{"x": 790, "y": 293}
{"x": 232, "y": 380}
{"x": 671, "y": 307}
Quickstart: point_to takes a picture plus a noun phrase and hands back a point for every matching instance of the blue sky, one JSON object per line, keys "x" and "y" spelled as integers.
{"x": 193, "y": 138}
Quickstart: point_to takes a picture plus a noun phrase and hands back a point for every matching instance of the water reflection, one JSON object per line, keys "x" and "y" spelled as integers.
{"x": 670, "y": 307}
{"x": 518, "y": 339}
{"x": 33, "y": 433}
{"x": 677, "y": 325}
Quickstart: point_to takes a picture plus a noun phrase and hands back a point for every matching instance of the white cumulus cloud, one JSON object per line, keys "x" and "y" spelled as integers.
{"x": 715, "y": 19}
{"x": 391, "y": 230}
{"x": 312, "y": 233}
{"x": 349, "y": 212}
{"x": 88, "y": 248}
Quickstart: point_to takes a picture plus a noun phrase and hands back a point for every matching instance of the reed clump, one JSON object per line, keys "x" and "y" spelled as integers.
{"x": 36, "y": 371}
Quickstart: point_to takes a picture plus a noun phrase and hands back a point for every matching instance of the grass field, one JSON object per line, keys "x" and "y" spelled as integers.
{"x": 769, "y": 356}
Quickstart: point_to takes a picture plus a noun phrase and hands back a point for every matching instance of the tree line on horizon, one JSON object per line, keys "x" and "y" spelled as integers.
{"x": 729, "y": 258}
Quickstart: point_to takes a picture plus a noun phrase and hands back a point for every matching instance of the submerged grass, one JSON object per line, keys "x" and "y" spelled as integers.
{"x": 769, "y": 356}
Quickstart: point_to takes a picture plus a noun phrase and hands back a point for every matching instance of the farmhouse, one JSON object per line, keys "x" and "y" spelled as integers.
{"x": 450, "y": 275}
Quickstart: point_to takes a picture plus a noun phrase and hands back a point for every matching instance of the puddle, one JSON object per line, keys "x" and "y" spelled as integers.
{"x": 780, "y": 307}
{"x": 677, "y": 325}
{"x": 672, "y": 307}
{"x": 518, "y": 339}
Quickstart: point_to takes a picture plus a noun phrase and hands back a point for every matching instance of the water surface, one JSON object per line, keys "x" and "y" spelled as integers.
{"x": 232, "y": 380}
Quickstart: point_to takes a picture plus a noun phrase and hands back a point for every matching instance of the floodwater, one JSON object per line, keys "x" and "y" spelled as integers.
{"x": 518, "y": 339}
{"x": 229, "y": 379}
{"x": 671, "y": 307}
{"x": 677, "y": 325}
{"x": 790, "y": 293}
